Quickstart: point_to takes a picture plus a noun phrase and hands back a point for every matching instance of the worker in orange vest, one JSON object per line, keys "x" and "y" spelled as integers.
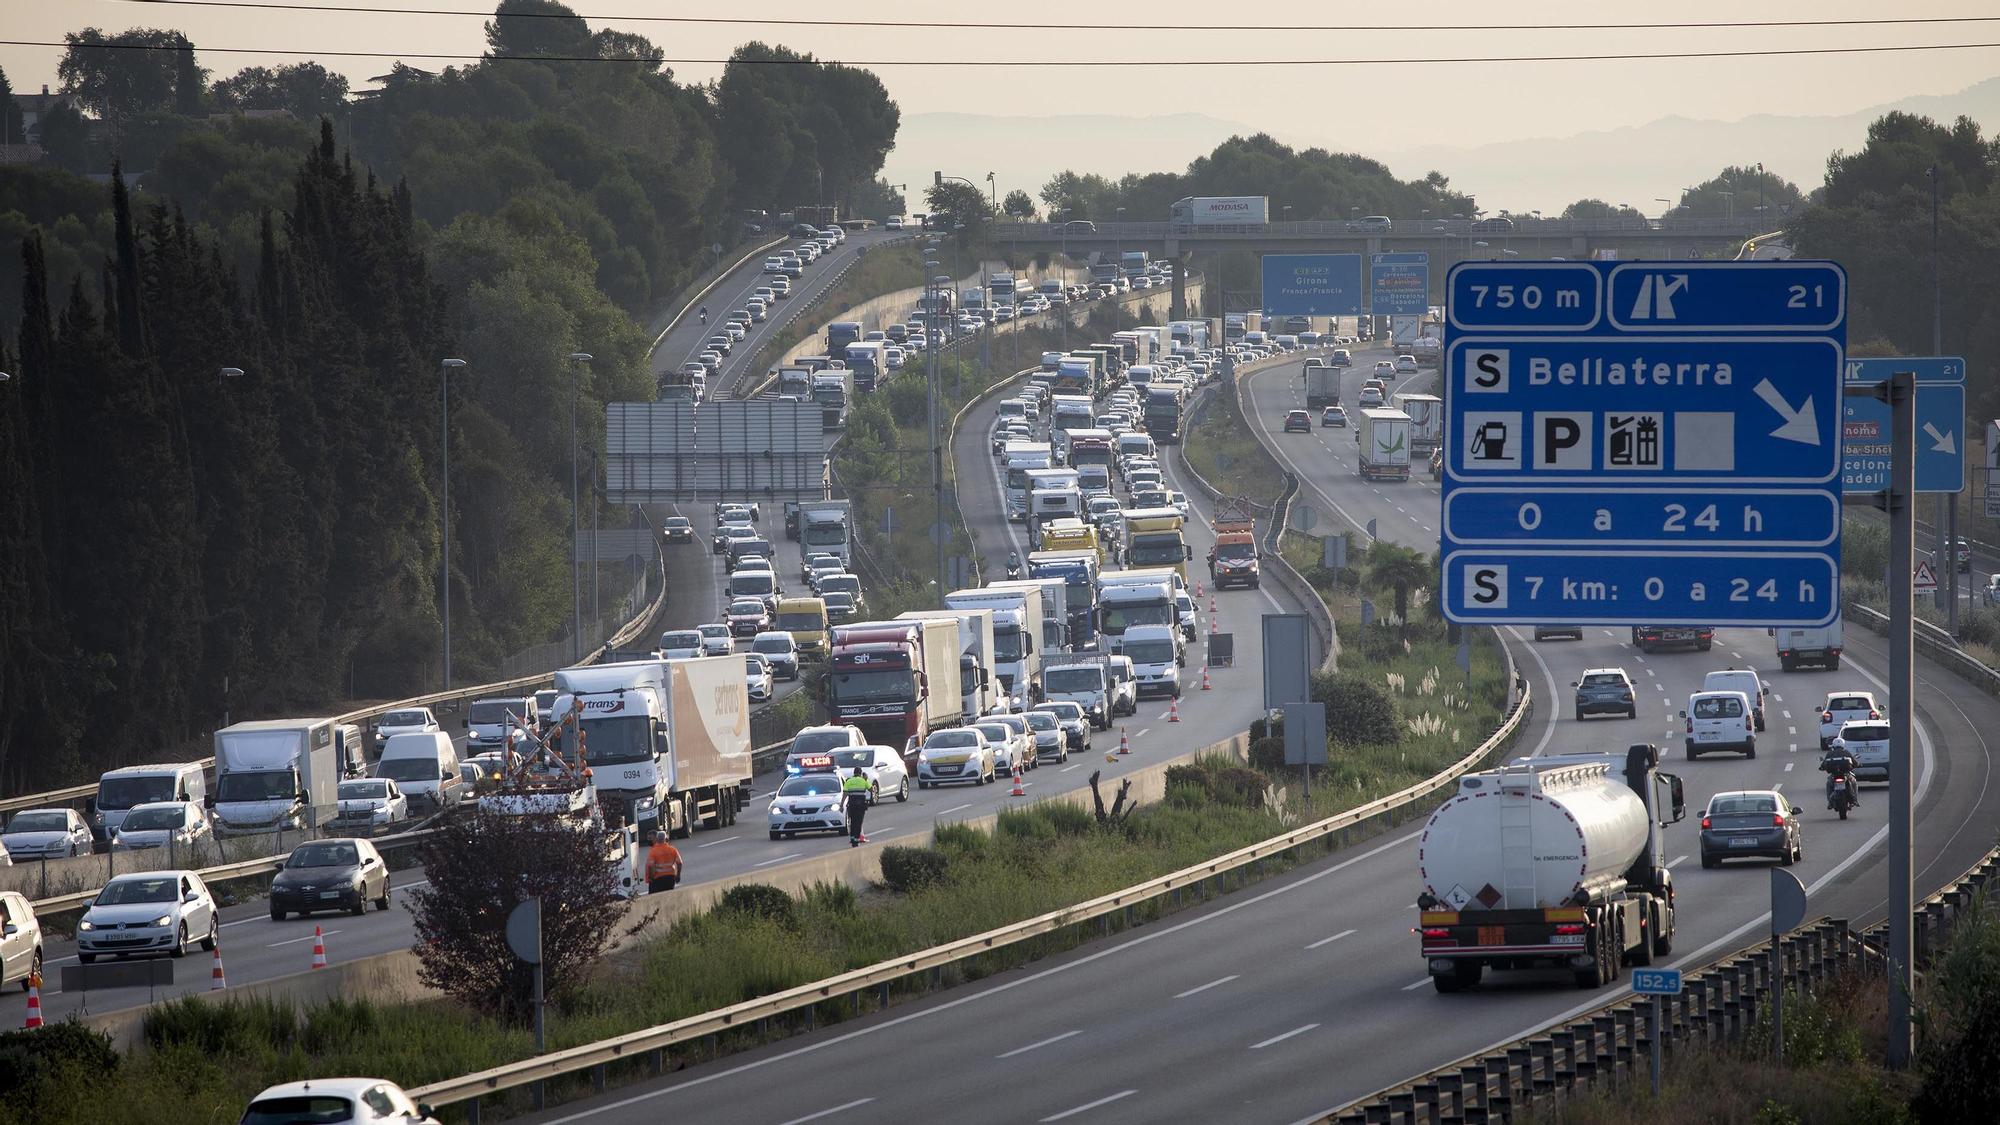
{"x": 663, "y": 865}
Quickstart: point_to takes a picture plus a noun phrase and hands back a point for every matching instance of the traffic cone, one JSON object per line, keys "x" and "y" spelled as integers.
{"x": 1018, "y": 791}
{"x": 1124, "y": 744}
{"x": 34, "y": 1003}
{"x": 1197, "y": 588}
{"x": 216, "y": 981}
{"x": 1174, "y": 709}
{"x": 1211, "y": 607}
{"x": 1211, "y": 624}
{"x": 319, "y": 949}
{"x": 1204, "y": 678}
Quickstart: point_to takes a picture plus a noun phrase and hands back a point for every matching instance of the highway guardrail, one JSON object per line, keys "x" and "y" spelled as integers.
{"x": 1721, "y": 1001}
{"x": 709, "y": 287}
{"x": 649, "y": 1045}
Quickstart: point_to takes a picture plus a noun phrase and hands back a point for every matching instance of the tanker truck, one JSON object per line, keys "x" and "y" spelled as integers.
{"x": 1550, "y": 862}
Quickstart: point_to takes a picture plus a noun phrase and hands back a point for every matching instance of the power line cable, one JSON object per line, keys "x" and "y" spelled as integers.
{"x": 1634, "y": 56}
{"x": 969, "y": 25}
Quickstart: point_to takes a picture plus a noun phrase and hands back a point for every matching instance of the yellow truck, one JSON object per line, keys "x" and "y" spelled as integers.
{"x": 805, "y": 620}
{"x": 1071, "y": 535}
{"x": 1153, "y": 537}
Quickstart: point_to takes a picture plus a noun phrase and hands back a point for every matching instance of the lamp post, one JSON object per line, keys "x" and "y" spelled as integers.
{"x": 1117, "y": 321}
{"x": 445, "y": 368}
{"x": 1728, "y": 204}
{"x": 576, "y": 362}
{"x": 937, "y": 457}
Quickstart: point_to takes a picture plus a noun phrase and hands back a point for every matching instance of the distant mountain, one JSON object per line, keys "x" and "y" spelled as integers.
{"x": 1638, "y": 164}
{"x": 1634, "y": 165}
{"x": 1025, "y": 151}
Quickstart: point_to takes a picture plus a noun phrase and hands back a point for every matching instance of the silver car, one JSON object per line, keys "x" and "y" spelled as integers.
{"x": 46, "y": 834}
{"x": 147, "y": 912}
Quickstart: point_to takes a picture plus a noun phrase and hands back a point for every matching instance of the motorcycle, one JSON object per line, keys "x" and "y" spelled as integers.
{"x": 1840, "y": 794}
{"x": 1013, "y": 571}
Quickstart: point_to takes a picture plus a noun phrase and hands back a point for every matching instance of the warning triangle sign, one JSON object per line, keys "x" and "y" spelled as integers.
{"x": 1926, "y": 578}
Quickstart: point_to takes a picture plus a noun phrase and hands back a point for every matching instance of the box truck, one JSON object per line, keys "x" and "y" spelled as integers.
{"x": 1384, "y": 439}
{"x": 280, "y": 773}
{"x": 1220, "y": 211}
{"x": 896, "y": 681}
{"x": 1322, "y": 384}
{"x": 1017, "y": 639}
{"x": 1426, "y": 414}
{"x": 827, "y": 526}
{"x": 978, "y": 688}
{"x": 668, "y": 742}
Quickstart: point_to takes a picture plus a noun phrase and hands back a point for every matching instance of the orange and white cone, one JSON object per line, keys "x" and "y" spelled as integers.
{"x": 34, "y": 1003}
{"x": 1197, "y": 588}
{"x": 216, "y": 981}
{"x": 319, "y": 949}
{"x": 1174, "y": 709}
{"x": 1018, "y": 791}
{"x": 1204, "y": 678}
{"x": 1124, "y": 743}
{"x": 1211, "y": 607}
{"x": 1211, "y": 624}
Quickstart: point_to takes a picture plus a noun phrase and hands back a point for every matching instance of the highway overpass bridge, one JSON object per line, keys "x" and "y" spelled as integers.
{"x": 1448, "y": 241}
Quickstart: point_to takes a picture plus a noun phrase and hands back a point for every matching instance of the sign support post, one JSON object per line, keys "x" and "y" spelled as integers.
{"x": 1901, "y": 495}
{"x": 1657, "y": 983}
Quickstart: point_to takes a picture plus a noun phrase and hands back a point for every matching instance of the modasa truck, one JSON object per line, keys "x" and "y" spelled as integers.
{"x": 1322, "y": 384}
{"x": 1550, "y": 862}
{"x": 897, "y": 681}
{"x": 1384, "y": 440}
{"x": 667, "y": 741}
{"x": 1233, "y": 561}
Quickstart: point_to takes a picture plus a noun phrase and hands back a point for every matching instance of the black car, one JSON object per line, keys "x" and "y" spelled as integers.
{"x": 791, "y": 519}
{"x": 1298, "y": 422}
{"x": 337, "y": 874}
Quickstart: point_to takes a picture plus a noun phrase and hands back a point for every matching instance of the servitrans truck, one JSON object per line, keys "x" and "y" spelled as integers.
{"x": 1384, "y": 440}
{"x": 667, "y": 741}
{"x": 274, "y": 774}
{"x": 1550, "y": 862}
{"x": 897, "y": 681}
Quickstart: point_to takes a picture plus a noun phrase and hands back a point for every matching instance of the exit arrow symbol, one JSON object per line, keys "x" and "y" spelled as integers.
{"x": 1800, "y": 425}
{"x": 1943, "y": 442}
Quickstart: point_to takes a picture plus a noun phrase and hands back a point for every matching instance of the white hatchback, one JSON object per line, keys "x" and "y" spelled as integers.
{"x": 1842, "y": 708}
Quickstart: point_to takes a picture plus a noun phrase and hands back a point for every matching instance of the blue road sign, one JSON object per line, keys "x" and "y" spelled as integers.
{"x": 1940, "y": 424}
{"x": 1656, "y": 982}
{"x": 1399, "y": 284}
{"x": 1312, "y": 284}
{"x": 1644, "y": 442}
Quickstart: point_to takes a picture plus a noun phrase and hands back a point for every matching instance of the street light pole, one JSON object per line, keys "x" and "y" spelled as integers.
{"x": 937, "y": 455}
{"x": 445, "y": 368}
{"x": 576, "y": 362}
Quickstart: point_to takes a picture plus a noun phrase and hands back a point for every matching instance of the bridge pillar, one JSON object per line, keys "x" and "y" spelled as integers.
{"x": 1579, "y": 247}
{"x": 1178, "y": 272}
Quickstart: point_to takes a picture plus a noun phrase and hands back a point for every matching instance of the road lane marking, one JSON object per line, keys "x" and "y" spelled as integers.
{"x": 1326, "y": 940}
{"x": 1088, "y": 1106}
{"x": 1043, "y": 1043}
{"x": 1206, "y": 987}
{"x": 828, "y": 1112}
{"x": 308, "y": 937}
{"x": 724, "y": 840}
{"x": 1419, "y": 984}
{"x": 1676, "y": 860}
{"x": 1789, "y": 765}
{"x": 1282, "y": 1038}
{"x": 1142, "y": 732}
{"x": 956, "y": 808}
{"x": 780, "y": 859}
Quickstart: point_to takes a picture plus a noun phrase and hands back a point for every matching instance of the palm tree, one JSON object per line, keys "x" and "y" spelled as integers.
{"x": 1398, "y": 569}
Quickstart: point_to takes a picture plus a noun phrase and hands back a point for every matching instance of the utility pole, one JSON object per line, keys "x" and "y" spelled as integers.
{"x": 1902, "y": 660}
{"x": 576, "y": 361}
{"x": 937, "y": 448}
{"x": 1948, "y": 502}
{"x": 445, "y": 368}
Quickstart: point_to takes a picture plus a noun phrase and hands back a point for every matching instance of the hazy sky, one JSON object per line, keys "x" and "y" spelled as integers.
{"x": 1376, "y": 106}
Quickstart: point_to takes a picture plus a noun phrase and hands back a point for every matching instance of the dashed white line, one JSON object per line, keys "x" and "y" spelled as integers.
{"x": 1066, "y": 769}
{"x": 724, "y": 840}
{"x": 828, "y": 1112}
{"x": 956, "y": 808}
{"x": 1789, "y": 765}
{"x": 1282, "y": 1038}
{"x": 1327, "y": 940}
{"x": 1419, "y": 984}
{"x": 1088, "y": 1106}
{"x": 1677, "y": 859}
{"x": 1043, "y": 1043}
{"x": 1206, "y": 987}
{"x": 780, "y": 859}
{"x": 308, "y": 937}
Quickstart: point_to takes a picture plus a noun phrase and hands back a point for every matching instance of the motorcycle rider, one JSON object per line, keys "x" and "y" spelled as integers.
{"x": 1837, "y": 762}
{"x": 704, "y": 314}
{"x": 1013, "y": 565}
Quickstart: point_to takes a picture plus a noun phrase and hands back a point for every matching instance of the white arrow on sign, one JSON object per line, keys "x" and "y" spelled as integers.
{"x": 1944, "y": 443}
{"x": 1800, "y": 425}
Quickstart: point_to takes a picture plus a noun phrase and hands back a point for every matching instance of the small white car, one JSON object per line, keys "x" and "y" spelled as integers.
{"x": 368, "y": 804}
{"x": 336, "y": 1101}
{"x": 20, "y": 939}
{"x": 1184, "y": 615}
{"x": 161, "y": 824}
{"x": 1009, "y": 748}
{"x": 680, "y": 644}
{"x": 1840, "y": 708}
{"x": 949, "y": 757}
{"x": 404, "y": 720}
{"x": 716, "y": 639}
{"x": 147, "y": 912}
{"x": 808, "y": 802}
{"x": 1868, "y": 741}
{"x": 757, "y": 676}
{"x": 46, "y": 834}
{"x": 882, "y": 766}
{"x": 780, "y": 650}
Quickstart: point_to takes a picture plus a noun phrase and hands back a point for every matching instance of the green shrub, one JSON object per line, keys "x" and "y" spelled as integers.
{"x": 1022, "y": 824}
{"x": 1267, "y": 754}
{"x": 1183, "y": 796}
{"x": 905, "y": 870}
{"x": 758, "y": 900}
{"x": 837, "y": 899}
{"x": 1241, "y": 786}
{"x": 1190, "y": 775}
{"x": 221, "y": 1028}
{"x": 1068, "y": 819}
{"x": 961, "y": 839}
{"x": 1359, "y": 712}
{"x": 49, "y": 1058}
{"x": 1959, "y": 1024}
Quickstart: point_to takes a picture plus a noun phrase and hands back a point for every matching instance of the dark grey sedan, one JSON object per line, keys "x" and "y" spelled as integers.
{"x": 340, "y": 874}
{"x": 1751, "y": 823}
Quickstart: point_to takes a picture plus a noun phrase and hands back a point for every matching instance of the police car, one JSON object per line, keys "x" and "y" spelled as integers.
{"x": 809, "y": 802}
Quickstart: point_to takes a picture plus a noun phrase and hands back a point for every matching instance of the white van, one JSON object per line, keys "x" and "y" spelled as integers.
{"x": 1744, "y": 680}
{"x": 759, "y": 584}
{"x": 121, "y": 790}
{"x": 488, "y": 721}
{"x": 1819, "y": 646}
{"x": 424, "y": 766}
{"x": 1719, "y": 720}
